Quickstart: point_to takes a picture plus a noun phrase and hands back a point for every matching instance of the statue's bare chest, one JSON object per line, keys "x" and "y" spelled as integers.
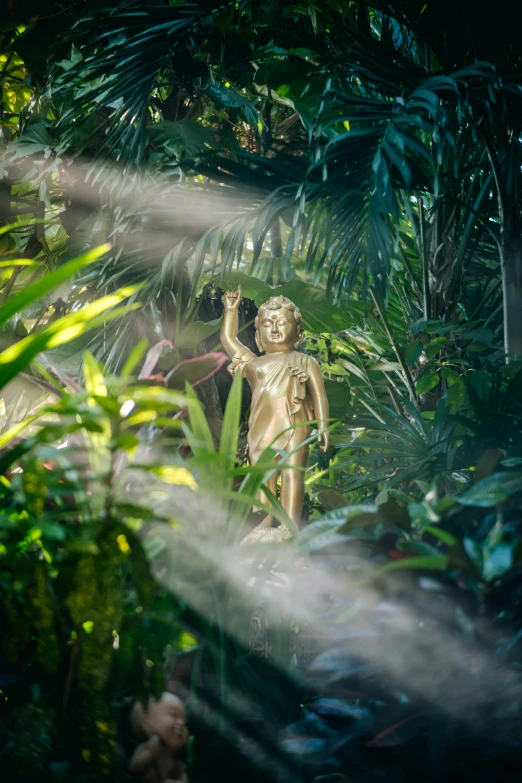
{"x": 263, "y": 367}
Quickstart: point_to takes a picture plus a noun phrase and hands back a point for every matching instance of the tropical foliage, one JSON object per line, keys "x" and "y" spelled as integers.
{"x": 362, "y": 159}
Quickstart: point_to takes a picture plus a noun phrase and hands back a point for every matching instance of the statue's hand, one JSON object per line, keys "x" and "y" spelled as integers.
{"x": 232, "y": 299}
{"x": 325, "y": 440}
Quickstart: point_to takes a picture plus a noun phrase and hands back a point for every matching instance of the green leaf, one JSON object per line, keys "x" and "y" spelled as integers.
{"x": 231, "y": 421}
{"x": 331, "y": 498}
{"x": 36, "y": 138}
{"x": 199, "y": 437}
{"x": 325, "y": 533}
{"x": 422, "y": 511}
{"x": 232, "y": 101}
{"x": 456, "y": 394}
{"x": 61, "y": 331}
{"x": 183, "y": 137}
{"x": 134, "y": 357}
{"x": 442, "y": 535}
{"x": 195, "y": 370}
{"x": 492, "y": 490}
{"x": 474, "y": 552}
{"x": 427, "y": 382}
{"x": 427, "y": 326}
{"x": 53, "y": 531}
{"x": 435, "y": 346}
{"x": 94, "y": 380}
{"x": 481, "y": 382}
{"x": 412, "y": 352}
{"x": 18, "y": 262}
{"x": 251, "y": 287}
{"x": 339, "y": 398}
{"x": 319, "y": 315}
{"x": 335, "y": 523}
{"x": 33, "y": 292}
{"x": 16, "y": 429}
{"x": 426, "y": 562}
{"x": 498, "y": 561}
{"x": 195, "y": 332}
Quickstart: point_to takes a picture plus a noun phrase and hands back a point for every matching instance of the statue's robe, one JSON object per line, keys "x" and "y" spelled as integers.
{"x": 279, "y": 400}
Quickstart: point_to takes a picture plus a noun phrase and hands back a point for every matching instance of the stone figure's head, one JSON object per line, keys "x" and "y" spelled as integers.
{"x": 279, "y": 325}
{"x": 165, "y": 717}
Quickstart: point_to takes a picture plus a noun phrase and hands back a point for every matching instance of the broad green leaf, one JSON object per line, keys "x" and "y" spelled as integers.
{"x": 435, "y": 346}
{"x": 481, "y": 382}
{"x": 53, "y": 531}
{"x": 194, "y": 371}
{"x": 319, "y": 315}
{"x": 325, "y": 533}
{"x": 498, "y": 561}
{"x": 232, "y": 101}
{"x": 334, "y": 369}
{"x": 251, "y": 287}
{"x": 195, "y": 332}
{"x": 456, "y": 394}
{"x": 183, "y": 137}
{"x": 33, "y": 292}
{"x": 420, "y": 512}
{"x": 427, "y": 382}
{"x": 339, "y": 398}
{"x": 482, "y": 335}
{"x": 492, "y": 490}
{"x": 331, "y": 498}
{"x": 412, "y": 352}
{"x": 334, "y": 524}
{"x": 17, "y": 356}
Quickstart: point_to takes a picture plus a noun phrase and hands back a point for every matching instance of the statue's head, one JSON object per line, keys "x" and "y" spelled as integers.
{"x": 164, "y": 717}
{"x": 279, "y": 325}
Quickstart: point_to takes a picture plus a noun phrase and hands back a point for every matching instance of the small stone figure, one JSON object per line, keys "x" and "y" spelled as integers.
{"x": 163, "y": 731}
{"x": 287, "y": 390}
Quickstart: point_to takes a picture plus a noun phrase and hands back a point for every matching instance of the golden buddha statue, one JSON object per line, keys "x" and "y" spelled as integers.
{"x": 163, "y": 733}
{"x": 287, "y": 390}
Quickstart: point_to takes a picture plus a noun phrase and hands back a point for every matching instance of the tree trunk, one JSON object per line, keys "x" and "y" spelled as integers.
{"x": 506, "y": 160}
{"x": 511, "y": 257}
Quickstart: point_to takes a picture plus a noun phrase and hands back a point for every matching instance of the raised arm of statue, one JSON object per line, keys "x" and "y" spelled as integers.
{"x": 238, "y": 352}
{"x": 229, "y": 326}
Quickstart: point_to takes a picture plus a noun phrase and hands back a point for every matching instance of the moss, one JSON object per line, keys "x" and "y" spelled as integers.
{"x": 40, "y": 602}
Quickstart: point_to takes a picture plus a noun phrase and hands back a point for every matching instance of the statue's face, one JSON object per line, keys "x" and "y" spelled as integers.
{"x": 166, "y": 718}
{"x": 277, "y": 330}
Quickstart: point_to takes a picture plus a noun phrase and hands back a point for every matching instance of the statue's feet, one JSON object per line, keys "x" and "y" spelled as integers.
{"x": 263, "y": 534}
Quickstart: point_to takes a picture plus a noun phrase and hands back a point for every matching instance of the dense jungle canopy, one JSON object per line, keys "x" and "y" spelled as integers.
{"x": 364, "y": 160}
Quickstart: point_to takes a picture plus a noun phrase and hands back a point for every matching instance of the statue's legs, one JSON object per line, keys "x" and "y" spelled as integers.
{"x": 292, "y": 491}
{"x": 293, "y": 475}
{"x": 271, "y": 484}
